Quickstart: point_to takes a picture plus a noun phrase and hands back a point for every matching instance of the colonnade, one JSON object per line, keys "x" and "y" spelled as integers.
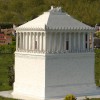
{"x": 54, "y": 42}
{"x": 76, "y": 42}
{"x": 31, "y": 41}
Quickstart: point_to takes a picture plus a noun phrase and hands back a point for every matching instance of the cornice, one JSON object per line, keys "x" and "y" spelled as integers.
{"x": 59, "y": 29}
{"x": 29, "y": 55}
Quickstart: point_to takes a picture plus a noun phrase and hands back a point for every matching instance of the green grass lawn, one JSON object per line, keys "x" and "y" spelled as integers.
{"x": 92, "y": 99}
{"x": 5, "y": 61}
{"x": 97, "y": 66}
{"x": 95, "y": 99}
{"x": 2, "y": 98}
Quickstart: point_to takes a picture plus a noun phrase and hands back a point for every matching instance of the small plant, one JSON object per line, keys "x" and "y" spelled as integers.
{"x": 86, "y": 98}
{"x": 70, "y": 97}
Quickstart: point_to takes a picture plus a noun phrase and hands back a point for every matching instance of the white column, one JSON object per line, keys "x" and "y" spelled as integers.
{"x": 92, "y": 41}
{"x": 27, "y": 41}
{"x": 55, "y": 42}
{"x": 17, "y": 41}
{"x": 30, "y": 40}
{"x": 83, "y": 34}
{"x": 60, "y": 37}
{"x": 45, "y": 45}
{"x": 62, "y": 45}
{"x": 37, "y": 41}
{"x": 74, "y": 41}
{"x": 65, "y": 42}
{"x": 34, "y": 38}
{"x": 88, "y": 48}
{"x": 41, "y": 42}
{"x": 20, "y": 41}
{"x": 50, "y": 42}
{"x": 70, "y": 42}
{"x": 79, "y": 42}
{"x": 23, "y": 40}
{"x": 44, "y": 42}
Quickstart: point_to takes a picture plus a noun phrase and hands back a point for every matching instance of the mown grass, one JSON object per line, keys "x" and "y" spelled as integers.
{"x": 92, "y": 99}
{"x": 2, "y": 98}
{"x": 97, "y": 66}
{"x": 5, "y": 61}
{"x": 95, "y": 99}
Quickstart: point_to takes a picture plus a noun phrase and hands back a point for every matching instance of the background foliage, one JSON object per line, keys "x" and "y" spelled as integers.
{"x": 6, "y": 61}
{"x": 21, "y": 11}
{"x": 98, "y": 34}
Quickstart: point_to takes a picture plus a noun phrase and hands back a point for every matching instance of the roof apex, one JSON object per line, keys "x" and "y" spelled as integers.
{"x": 58, "y": 9}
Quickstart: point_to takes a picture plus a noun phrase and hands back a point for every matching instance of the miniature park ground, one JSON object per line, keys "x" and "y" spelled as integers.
{"x": 8, "y": 59}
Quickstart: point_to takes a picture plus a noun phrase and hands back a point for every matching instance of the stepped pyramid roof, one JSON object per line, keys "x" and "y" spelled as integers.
{"x": 55, "y": 18}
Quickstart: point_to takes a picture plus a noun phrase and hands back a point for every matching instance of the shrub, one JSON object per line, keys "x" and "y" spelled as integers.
{"x": 11, "y": 74}
{"x": 6, "y": 25}
{"x": 7, "y": 48}
{"x": 98, "y": 34}
{"x": 70, "y": 97}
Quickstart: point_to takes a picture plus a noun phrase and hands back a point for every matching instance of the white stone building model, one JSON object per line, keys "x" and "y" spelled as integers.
{"x": 54, "y": 57}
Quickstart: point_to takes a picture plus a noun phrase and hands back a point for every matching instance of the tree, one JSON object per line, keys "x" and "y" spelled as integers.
{"x": 20, "y": 11}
